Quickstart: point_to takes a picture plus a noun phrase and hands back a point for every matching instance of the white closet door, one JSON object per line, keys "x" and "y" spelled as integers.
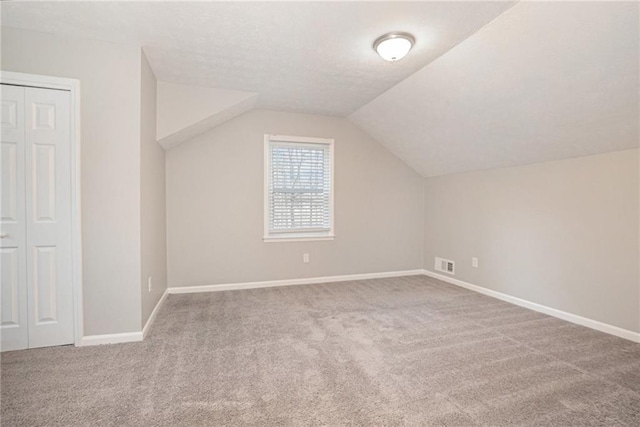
{"x": 13, "y": 253}
{"x": 48, "y": 217}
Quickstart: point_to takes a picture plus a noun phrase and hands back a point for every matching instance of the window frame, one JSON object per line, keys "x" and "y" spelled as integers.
{"x": 294, "y": 235}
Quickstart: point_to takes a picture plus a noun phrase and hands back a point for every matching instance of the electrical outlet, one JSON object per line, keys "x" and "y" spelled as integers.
{"x": 474, "y": 262}
{"x": 305, "y": 258}
{"x": 149, "y": 283}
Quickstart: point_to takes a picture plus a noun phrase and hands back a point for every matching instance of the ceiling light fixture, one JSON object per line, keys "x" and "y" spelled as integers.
{"x": 394, "y": 46}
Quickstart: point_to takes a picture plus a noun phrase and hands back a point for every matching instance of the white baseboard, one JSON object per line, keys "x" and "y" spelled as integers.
{"x": 126, "y": 336}
{"x": 111, "y": 338}
{"x": 152, "y": 316}
{"x": 140, "y": 335}
{"x": 573, "y": 318}
{"x": 291, "y": 282}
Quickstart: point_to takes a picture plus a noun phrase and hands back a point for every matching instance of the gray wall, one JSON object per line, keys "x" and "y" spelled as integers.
{"x": 109, "y": 76}
{"x": 563, "y": 234}
{"x": 215, "y": 206}
{"x": 153, "y": 236}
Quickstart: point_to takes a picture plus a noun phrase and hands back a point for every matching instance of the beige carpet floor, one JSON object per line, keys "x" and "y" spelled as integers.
{"x": 401, "y": 351}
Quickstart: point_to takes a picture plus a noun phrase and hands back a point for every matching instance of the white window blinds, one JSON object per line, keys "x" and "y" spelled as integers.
{"x": 299, "y": 185}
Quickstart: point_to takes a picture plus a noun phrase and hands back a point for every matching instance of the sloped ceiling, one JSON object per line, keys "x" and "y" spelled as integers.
{"x": 307, "y": 57}
{"x": 180, "y": 106}
{"x": 543, "y": 81}
{"x": 488, "y": 84}
{"x": 185, "y": 111}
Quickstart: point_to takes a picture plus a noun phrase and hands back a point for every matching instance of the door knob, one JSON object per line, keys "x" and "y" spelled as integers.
{"x": 3, "y": 235}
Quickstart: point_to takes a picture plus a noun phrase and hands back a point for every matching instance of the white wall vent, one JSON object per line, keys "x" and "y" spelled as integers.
{"x": 445, "y": 265}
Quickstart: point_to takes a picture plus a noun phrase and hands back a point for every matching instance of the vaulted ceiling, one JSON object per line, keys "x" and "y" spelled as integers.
{"x": 311, "y": 57}
{"x": 488, "y": 84}
{"x": 543, "y": 81}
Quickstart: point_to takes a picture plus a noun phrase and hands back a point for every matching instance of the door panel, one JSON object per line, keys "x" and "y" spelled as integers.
{"x": 44, "y": 191}
{"x": 13, "y": 253}
{"x": 45, "y": 296}
{"x": 9, "y": 202}
{"x": 10, "y": 288}
{"x": 48, "y": 217}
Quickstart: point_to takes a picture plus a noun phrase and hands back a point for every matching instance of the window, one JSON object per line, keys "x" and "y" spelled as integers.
{"x": 298, "y": 188}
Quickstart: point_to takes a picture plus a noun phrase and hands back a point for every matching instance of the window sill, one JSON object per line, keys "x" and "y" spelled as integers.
{"x": 297, "y": 238}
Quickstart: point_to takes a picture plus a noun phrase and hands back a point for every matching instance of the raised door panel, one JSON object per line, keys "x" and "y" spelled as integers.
{"x": 45, "y": 275}
{"x": 10, "y": 274}
{"x": 9, "y": 197}
{"x": 44, "y": 182}
{"x": 13, "y": 269}
{"x": 10, "y": 113}
{"x": 44, "y": 116}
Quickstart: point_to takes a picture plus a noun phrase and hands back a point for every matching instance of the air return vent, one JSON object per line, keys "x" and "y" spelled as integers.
{"x": 445, "y": 265}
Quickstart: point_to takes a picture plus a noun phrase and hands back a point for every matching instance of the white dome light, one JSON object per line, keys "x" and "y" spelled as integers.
{"x": 394, "y": 46}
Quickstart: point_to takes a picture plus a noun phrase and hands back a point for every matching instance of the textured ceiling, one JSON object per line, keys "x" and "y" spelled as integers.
{"x": 185, "y": 111}
{"x": 312, "y": 57}
{"x": 543, "y": 81}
